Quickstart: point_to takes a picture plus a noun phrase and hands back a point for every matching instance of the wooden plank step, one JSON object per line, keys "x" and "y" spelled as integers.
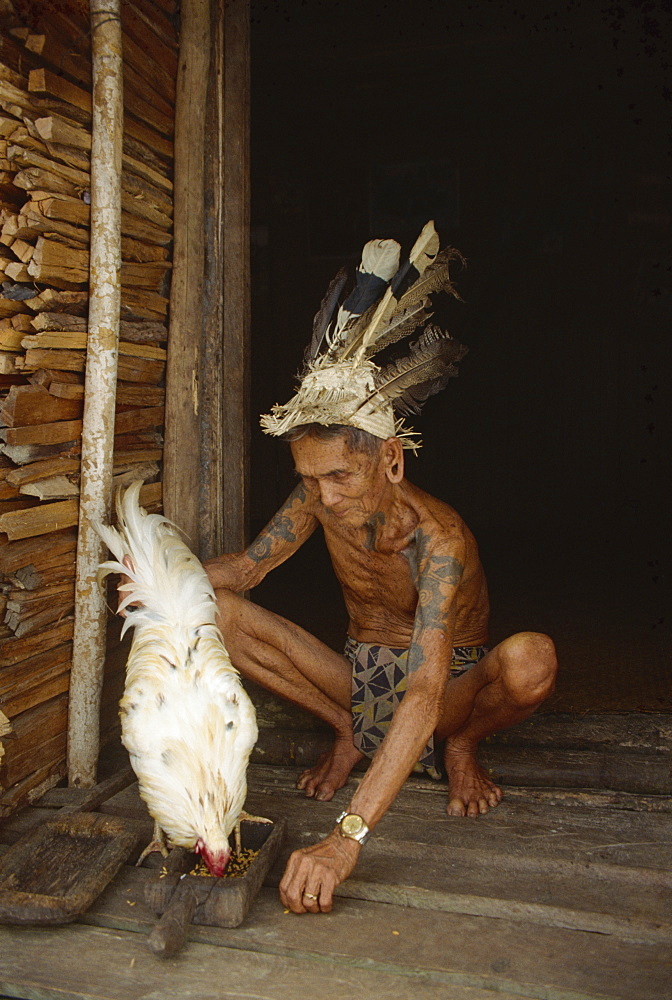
{"x": 629, "y": 730}
{"x": 590, "y": 899}
{"x": 634, "y": 771}
{"x": 602, "y": 898}
{"x": 81, "y": 962}
{"x": 519, "y": 761}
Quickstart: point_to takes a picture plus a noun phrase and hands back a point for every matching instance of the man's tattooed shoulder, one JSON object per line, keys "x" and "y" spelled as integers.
{"x": 434, "y": 562}
{"x": 279, "y": 528}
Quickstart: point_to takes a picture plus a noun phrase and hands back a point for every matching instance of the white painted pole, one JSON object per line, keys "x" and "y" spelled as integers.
{"x": 88, "y": 654}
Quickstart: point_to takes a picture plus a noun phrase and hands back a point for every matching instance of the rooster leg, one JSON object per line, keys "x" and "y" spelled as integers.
{"x": 157, "y": 843}
{"x": 253, "y": 819}
{"x": 248, "y": 817}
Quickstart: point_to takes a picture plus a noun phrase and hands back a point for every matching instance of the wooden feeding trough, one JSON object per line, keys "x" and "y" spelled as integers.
{"x": 183, "y": 898}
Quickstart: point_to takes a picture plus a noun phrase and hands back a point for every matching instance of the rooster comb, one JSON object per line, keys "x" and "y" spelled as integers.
{"x": 392, "y": 299}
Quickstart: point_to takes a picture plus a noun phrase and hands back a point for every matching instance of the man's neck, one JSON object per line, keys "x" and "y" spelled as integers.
{"x": 388, "y": 527}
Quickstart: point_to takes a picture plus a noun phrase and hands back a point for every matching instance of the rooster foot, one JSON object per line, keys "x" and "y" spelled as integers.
{"x": 157, "y": 843}
{"x": 249, "y": 818}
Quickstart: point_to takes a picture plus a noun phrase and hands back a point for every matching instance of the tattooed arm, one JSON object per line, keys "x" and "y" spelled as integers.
{"x": 438, "y": 574}
{"x": 283, "y": 535}
{"x": 328, "y": 863}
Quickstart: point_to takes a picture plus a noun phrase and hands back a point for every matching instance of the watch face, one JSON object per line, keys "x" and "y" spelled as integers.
{"x": 351, "y": 825}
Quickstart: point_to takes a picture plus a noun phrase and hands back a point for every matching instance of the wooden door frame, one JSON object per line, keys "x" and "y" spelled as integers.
{"x": 206, "y": 450}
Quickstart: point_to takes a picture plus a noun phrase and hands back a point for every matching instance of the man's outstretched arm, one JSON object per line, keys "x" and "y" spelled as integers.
{"x": 428, "y": 668}
{"x": 287, "y": 530}
{"x": 317, "y": 870}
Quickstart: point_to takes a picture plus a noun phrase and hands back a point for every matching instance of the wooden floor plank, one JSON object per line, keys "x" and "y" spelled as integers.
{"x": 638, "y": 771}
{"x": 597, "y": 898}
{"x": 583, "y": 834}
{"x": 496, "y": 954}
{"x": 288, "y": 771}
{"x": 602, "y": 873}
{"x": 92, "y": 963}
{"x": 647, "y": 731}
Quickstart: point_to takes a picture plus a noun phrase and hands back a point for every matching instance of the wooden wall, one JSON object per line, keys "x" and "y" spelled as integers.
{"x": 45, "y": 122}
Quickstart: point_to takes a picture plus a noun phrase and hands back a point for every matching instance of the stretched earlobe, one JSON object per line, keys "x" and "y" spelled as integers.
{"x": 395, "y": 467}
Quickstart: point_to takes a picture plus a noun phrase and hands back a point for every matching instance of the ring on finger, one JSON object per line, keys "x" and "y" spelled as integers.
{"x": 309, "y": 895}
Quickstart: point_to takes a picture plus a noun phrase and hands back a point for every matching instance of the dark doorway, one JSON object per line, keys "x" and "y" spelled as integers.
{"x": 537, "y": 137}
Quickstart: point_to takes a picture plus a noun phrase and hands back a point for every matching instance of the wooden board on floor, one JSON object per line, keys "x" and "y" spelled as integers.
{"x": 590, "y": 869}
{"x": 493, "y": 954}
{"x": 650, "y": 731}
{"x": 557, "y": 894}
{"x": 585, "y": 832}
{"x": 82, "y": 963}
{"x": 559, "y": 824}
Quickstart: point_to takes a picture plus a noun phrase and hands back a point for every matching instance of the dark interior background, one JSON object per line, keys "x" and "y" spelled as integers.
{"x": 537, "y": 136}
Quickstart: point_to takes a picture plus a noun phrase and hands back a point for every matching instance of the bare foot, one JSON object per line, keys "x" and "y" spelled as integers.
{"x": 471, "y": 792}
{"x": 331, "y": 771}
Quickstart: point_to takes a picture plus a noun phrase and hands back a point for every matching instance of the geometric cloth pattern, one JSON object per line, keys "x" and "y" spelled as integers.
{"x": 379, "y": 681}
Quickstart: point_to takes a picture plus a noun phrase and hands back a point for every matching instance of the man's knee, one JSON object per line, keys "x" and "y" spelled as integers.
{"x": 529, "y": 667}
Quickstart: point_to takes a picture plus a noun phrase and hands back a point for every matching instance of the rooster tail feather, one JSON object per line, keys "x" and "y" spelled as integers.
{"x": 166, "y": 578}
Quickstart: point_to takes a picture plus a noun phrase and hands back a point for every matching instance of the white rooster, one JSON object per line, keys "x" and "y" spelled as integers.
{"x": 186, "y": 720}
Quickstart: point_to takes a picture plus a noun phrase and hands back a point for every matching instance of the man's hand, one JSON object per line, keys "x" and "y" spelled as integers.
{"x": 227, "y": 572}
{"x": 313, "y": 873}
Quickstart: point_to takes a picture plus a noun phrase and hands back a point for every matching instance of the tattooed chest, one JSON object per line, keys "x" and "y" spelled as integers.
{"x": 377, "y": 580}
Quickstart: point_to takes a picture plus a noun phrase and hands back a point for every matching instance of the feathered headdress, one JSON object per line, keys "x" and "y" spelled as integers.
{"x": 340, "y": 384}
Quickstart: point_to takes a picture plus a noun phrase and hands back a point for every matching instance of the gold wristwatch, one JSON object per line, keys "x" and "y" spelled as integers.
{"x": 353, "y": 827}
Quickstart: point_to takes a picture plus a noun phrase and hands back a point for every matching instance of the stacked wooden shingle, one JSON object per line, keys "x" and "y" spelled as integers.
{"x": 45, "y": 143}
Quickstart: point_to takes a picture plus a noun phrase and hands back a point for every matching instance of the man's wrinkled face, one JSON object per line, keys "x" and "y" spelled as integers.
{"x": 350, "y": 484}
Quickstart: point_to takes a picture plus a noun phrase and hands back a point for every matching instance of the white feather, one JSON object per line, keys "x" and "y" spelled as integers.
{"x": 381, "y": 257}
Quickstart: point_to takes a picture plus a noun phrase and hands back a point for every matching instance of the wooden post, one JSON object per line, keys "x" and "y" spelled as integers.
{"x": 88, "y": 658}
{"x": 182, "y": 452}
{"x": 225, "y": 364}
